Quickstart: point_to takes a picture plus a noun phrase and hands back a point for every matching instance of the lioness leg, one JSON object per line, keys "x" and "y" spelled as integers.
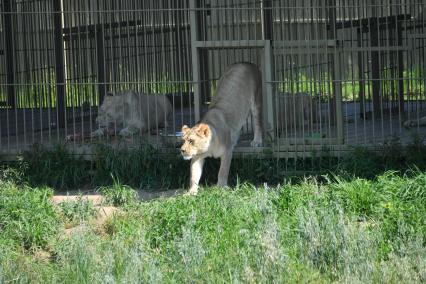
{"x": 257, "y": 119}
{"x": 128, "y": 131}
{"x": 98, "y": 132}
{"x": 225, "y": 164}
{"x": 196, "y": 171}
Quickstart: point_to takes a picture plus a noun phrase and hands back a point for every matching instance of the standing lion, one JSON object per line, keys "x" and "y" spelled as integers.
{"x": 238, "y": 93}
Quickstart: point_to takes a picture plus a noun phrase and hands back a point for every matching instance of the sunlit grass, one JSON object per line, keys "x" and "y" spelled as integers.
{"x": 330, "y": 230}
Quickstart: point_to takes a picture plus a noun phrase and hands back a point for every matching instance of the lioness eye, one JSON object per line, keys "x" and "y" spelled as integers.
{"x": 191, "y": 141}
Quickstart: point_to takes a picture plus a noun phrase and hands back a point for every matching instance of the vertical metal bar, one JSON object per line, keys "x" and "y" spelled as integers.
{"x": 59, "y": 62}
{"x": 27, "y": 74}
{"x": 400, "y": 62}
{"x": 268, "y": 109}
{"x": 9, "y": 53}
{"x": 361, "y": 73}
{"x": 381, "y": 65}
{"x": 34, "y": 77}
{"x": 195, "y": 59}
{"x": 91, "y": 47}
{"x": 267, "y": 21}
{"x": 203, "y": 55}
{"x": 48, "y": 88}
{"x": 41, "y": 79}
{"x": 310, "y": 37}
{"x": 422, "y": 51}
{"x": 375, "y": 66}
{"x": 336, "y": 73}
{"x": 338, "y": 89}
{"x": 100, "y": 55}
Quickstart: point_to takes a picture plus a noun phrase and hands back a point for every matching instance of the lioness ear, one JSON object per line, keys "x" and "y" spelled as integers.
{"x": 185, "y": 129}
{"x": 203, "y": 130}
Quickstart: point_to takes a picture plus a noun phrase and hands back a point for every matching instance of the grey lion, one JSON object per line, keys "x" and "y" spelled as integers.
{"x": 132, "y": 112}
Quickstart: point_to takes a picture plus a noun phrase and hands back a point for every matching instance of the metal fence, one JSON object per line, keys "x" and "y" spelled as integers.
{"x": 336, "y": 73}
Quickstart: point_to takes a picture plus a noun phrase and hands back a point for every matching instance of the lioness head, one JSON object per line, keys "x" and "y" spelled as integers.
{"x": 196, "y": 140}
{"x": 110, "y": 109}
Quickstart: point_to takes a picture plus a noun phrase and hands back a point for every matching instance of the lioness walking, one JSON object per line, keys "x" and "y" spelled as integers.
{"x": 238, "y": 93}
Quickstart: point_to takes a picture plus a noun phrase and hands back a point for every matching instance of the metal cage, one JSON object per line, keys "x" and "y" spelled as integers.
{"x": 336, "y": 73}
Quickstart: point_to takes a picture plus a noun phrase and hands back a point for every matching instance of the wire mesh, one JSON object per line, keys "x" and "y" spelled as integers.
{"x": 336, "y": 73}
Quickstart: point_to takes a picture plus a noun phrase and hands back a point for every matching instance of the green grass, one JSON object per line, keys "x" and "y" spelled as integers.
{"x": 55, "y": 168}
{"x": 77, "y": 211}
{"x": 27, "y": 218}
{"x": 332, "y": 229}
{"x": 143, "y": 167}
{"x": 119, "y": 194}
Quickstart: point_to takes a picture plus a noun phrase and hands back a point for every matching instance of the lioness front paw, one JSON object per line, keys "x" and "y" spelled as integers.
{"x": 256, "y": 143}
{"x": 191, "y": 192}
{"x": 223, "y": 187}
{"x": 97, "y": 133}
{"x": 408, "y": 124}
{"x": 125, "y": 132}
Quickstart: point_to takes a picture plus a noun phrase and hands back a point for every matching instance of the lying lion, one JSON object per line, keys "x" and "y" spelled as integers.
{"x": 238, "y": 93}
{"x": 132, "y": 112}
{"x": 413, "y": 123}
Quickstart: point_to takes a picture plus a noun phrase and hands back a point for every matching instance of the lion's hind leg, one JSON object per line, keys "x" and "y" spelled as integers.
{"x": 257, "y": 119}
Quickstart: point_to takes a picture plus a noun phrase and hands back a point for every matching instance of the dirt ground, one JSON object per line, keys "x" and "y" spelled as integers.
{"x": 104, "y": 211}
{"x": 97, "y": 199}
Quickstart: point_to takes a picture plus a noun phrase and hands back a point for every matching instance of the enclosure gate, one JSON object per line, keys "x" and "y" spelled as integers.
{"x": 284, "y": 146}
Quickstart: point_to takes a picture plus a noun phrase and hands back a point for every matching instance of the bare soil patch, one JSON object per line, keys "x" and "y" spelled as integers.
{"x": 104, "y": 211}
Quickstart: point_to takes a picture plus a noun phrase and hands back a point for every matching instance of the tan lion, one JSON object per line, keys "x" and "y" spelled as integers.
{"x": 132, "y": 112}
{"x": 238, "y": 93}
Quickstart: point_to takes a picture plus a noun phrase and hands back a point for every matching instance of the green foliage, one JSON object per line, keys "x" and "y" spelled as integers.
{"x": 142, "y": 167}
{"x": 416, "y": 152}
{"x": 324, "y": 230}
{"x": 164, "y": 85}
{"x": 362, "y": 162}
{"x": 27, "y": 216}
{"x": 82, "y": 90}
{"x": 11, "y": 173}
{"x": 393, "y": 155}
{"x": 78, "y": 210}
{"x": 147, "y": 168}
{"x": 126, "y": 224}
{"x": 301, "y": 82}
{"x": 119, "y": 194}
{"x": 56, "y": 168}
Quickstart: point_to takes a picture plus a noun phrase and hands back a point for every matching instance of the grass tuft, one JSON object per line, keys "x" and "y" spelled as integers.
{"x": 27, "y": 216}
{"x": 77, "y": 211}
{"x": 119, "y": 194}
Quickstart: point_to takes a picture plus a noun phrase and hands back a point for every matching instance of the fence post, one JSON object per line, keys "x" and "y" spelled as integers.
{"x": 59, "y": 62}
{"x": 400, "y": 63}
{"x": 268, "y": 69}
{"x": 203, "y": 53}
{"x": 338, "y": 96}
{"x": 361, "y": 74}
{"x": 267, "y": 19}
{"x": 336, "y": 72}
{"x": 195, "y": 59}
{"x": 100, "y": 52}
{"x": 375, "y": 67}
{"x": 9, "y": 53}
{"x": 267, "y": 98}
